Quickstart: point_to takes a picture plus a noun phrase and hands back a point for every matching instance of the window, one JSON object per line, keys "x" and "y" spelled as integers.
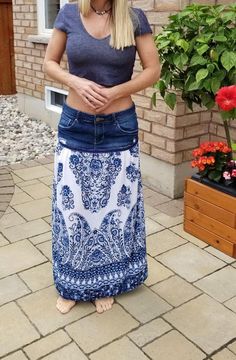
{"x": 54, "y": 98}
{"x": 47, "y": 12}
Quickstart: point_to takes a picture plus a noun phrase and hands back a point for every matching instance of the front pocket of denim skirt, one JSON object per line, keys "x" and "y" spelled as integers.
{"x": 128, "y": 125}
{"x": 67, "y": 121}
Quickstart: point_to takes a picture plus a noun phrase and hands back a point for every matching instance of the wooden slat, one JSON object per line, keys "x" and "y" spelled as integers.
{"x": 206, "y": 222}
{"x": 216, "y": 212}
{"x": 210, "y": 238}
{"x": 5, "y": 1}
{"x": 213, "y": 196}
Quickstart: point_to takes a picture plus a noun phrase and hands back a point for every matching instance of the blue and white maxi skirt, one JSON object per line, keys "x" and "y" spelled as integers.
{"x": 98, "y": 224}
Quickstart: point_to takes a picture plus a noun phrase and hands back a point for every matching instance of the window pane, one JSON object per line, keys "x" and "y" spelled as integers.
{"x": 51, "y": 9}
{"x": 57, "y": 99}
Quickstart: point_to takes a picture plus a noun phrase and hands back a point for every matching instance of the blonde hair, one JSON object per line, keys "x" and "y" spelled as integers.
{"x": 122, "y": 26}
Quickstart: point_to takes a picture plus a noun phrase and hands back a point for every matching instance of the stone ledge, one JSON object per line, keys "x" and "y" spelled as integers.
{"x": 42, "y": 39}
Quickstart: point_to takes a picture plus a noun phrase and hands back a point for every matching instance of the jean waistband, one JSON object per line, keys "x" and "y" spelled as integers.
{"x": 93, "y": 118}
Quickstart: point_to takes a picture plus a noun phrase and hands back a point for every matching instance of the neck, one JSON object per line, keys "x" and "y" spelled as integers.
{"x": 101, "y": 4}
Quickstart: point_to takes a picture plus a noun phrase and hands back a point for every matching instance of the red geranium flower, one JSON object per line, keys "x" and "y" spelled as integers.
{"x": 226, "y": 97}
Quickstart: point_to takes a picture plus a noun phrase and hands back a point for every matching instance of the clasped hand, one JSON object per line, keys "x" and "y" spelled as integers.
{"x": 94, "y": 95}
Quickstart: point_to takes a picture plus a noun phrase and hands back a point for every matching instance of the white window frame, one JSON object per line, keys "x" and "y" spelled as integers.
{"x": 48, "y": 98}
{"x": 41, "y": 16}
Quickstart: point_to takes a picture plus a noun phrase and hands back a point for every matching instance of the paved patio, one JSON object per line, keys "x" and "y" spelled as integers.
{"x": 185, "y": 310}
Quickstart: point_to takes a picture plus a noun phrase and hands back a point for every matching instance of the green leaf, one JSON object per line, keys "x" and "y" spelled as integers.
{"x": 201, "y": 74}
{"x": 228, "y": 59}
{"x": 210, "y": 68}
{"x": 162, "y": 44}
{"x": 202, "y": 49}
{"x": 197, "y": 60}
{"x": 183, "y": 44}
{"x": 220, "y": 38}
{"x": 193, "y": 86}
{"x": 180, "y": 60}
{"x": 233, "y": 146}
{"x": 215, "y": 175}
{"x": 170, "y": 99}
{"x": 204, "y": 38}
{"x": 215, "y": 85}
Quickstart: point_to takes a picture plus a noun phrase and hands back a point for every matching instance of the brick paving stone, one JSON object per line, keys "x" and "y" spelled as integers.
{"x": 25, "y": 230}
{"x": 178, "y": 229}
{"x": 231, "y": 304}
{"x": 20, "y": 198}
{"x": 167, "y": 220}
{"x": 175, "y": 290}
{"x": 32, "y": 172}
{"x": 3, "y": 240}
{"x": 152, "y": 226}
{"x": 143, "y": 303}
{"x": 221, "y": 285}
{"x": 46, "y": 248}
{"x": 96, "y": 330}
{"x": 47, "y": 180}
{"x": 68, "y": 352}
{"x": 204, "y": 321}
{"x": 19, "y": 256}
{"x": 219, "y": 254}
{"x": 121, "y": 349}
{"x": 38, "y": 277}
{"x": 38, "y": 191}
{"x": 162, "y": 241}
{"x": 18, "y": 355}
{"x": 150, "y": 331}
{"x": 41, "y": 238}
{"x": 45, "y": 315}
{"x": 190, "y": 262}
{"x": 11, "y": 219}
{"x": 156, "y": 272}
{"x": 47, "y": 344}
{"x": 232, "y": 347}
{"x": 11, "y": 288}
{"x": 34, "y": 209}
{"x": 173, "y": 346}
{"x": 225, "y": 354}
{"x": 15, "y": 329}
{"x": 23, "y": 184}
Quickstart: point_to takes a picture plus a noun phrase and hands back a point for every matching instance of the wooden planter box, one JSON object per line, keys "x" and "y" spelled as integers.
{"x": 210, "y": 215}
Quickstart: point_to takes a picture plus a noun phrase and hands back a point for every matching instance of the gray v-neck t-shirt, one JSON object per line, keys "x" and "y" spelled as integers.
{"x": 93, "y": 58}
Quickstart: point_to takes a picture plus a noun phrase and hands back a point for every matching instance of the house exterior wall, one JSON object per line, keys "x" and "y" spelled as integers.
{"x": 167, "y": 137}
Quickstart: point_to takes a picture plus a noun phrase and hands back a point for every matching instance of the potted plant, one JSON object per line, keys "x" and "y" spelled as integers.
{"x": 198, "y": 54}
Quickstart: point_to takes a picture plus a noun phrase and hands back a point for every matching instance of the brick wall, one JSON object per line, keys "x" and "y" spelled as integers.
{"x": 164, "y": 134}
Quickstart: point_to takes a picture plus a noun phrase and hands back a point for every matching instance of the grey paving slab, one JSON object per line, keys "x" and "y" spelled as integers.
{"x": 33, "y": 172}
{"x": 68, "y": 352}
{"x": 19, "y": 256}
{"x": 152, "y": 226}
{"x": 149, "y": 332}
{"x": 46, "y": 248}
{"x": 178, "y": 229}
{"x": 96, "y": 330}
{"x": 47, "y": 344}
{"x": 219, "y": 254}
{"x": 231, "y": 304}
{"x": 224, "y": 354}
{"x": 11, "y": 288}
{"x": 15, "y": 329}
{"x": 167, "y": 220}
{"x": 38, "y": 277}
{"x": 150, "y": 305}
{"x": 35, "y": 209}
{"x": 175, "y": 290}
{"x": 205, "y": 321}
{"x": 45, "y": 315}
{"x": 173, "y": 346}
{"x": 163, "y": 241}
{"x": 156, "y": 272}
{"x": 121, "y": 349}
{"x": 18, "y": 355}
{"x": 190, "y": 262}
{"x": 221, "y": 285}
{"x": 28, "y": 229}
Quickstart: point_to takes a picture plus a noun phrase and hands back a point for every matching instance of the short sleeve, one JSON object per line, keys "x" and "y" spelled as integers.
{"x": 59, "y": 22}
{"x": 143, "y": 26}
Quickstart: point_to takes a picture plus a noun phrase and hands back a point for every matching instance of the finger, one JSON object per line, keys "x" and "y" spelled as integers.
{"x": 86, "y": 100}
{"x": 99, "y": 91}
{"x": 102, "y": 99}
{"x": 91, "y": 98}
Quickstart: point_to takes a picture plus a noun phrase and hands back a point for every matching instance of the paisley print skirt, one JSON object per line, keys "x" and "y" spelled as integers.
{"x": 98, "y": 223}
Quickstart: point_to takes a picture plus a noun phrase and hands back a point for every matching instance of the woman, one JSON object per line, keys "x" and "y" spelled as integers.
{"x": 98, "y": 226}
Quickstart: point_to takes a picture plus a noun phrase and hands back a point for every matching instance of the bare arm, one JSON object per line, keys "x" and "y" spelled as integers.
{"x": 88, "y": 90}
